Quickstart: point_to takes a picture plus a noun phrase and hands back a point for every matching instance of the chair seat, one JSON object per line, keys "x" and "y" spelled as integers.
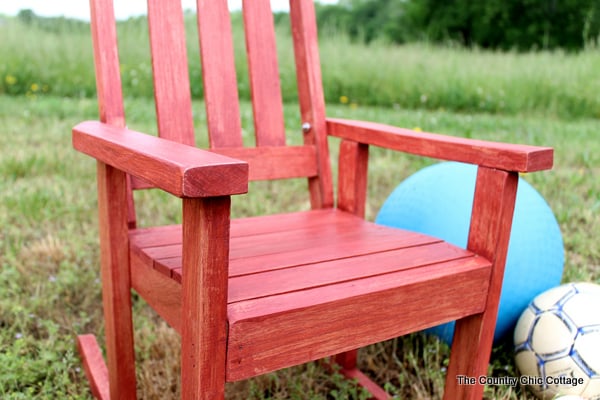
{"x": 297, "y": 282}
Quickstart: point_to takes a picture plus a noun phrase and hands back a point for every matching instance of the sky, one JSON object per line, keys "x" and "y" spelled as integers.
{"x": 123, "y": 9}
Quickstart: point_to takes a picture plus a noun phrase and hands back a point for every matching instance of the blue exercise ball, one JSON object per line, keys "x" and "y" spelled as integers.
{"x": 438, "y": 200}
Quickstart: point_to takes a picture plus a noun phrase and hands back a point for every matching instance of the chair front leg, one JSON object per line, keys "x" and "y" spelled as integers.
{"x": 491, "y": 221}
{"x": 204, "y": 297}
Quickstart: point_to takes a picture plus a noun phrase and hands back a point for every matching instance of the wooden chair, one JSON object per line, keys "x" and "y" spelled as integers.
{"x": 257, "y": 294}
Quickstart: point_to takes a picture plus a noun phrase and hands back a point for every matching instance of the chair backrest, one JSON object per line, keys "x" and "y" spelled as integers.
{"x": 270, "y": 158}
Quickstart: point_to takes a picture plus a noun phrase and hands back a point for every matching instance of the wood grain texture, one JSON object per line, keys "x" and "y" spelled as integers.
{"x": 218, "y": 74}
{"x": 106, "y": 62}
{"x": 267, "y": 104}
{"x": 509, "y": 157}
{"x": 94, "y": 366}
{"x": 273, "y": 251}
{"x": 182, "y": 170}
{"x": 108, "y": 74}
{"x": 491, "y": 220}
{"x": 170, "y": 71}
{"x": 116, "y": 287}
{"x": 352, "y": 177}
{"x": 204, "y": 298}
{"x": 311, "y": 97}
{"x": 315, "y": 270}
{"x": 280, "y": 331}
{"x": 163, "y": 295}
{"x": 275, "y": 162}
{"x": 364, "y": 381}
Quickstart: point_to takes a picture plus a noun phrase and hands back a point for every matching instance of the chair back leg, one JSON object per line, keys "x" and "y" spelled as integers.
{"x": 116, "y": 285}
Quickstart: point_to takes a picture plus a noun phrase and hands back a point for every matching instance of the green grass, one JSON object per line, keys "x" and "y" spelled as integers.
{"x": 37, "y": 61}
{"x": 49, "y": 287}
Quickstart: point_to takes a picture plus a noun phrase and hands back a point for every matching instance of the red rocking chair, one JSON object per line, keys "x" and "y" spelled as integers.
{"x": 257, "y": 294}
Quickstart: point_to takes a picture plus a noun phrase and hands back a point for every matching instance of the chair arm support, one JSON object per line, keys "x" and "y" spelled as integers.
{"x": 509, "y": 157}
{"x": 182, "y": 170}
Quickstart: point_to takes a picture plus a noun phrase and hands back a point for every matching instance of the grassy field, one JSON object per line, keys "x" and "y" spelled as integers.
{"x": 59, "y": 62}
{"x": 49, "y": 280}
{"x": 49, "y": 289}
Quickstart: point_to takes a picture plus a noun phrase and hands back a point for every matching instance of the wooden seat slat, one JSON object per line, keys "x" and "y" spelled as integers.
{"x": 317, "y": 248}
{"x": 171, "y": 234}
{"x": 319, "y": 319}
{"x": 337, "y": 235}
{"x": 262, "y": 284}
{"x": 260, "y": 325}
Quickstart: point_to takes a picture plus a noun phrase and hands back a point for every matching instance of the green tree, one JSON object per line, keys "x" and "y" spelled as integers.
{"x": 504, "y": 24}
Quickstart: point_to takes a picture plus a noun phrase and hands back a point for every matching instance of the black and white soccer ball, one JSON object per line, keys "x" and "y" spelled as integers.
{"x": 557, "y": 342}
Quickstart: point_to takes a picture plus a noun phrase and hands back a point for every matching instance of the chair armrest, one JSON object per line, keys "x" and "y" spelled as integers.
{"x": 509, "y": 157}
{"x": 182, "y": 170}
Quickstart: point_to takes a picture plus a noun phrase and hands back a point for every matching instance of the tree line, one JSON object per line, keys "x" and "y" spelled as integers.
{"x": 495, "y": 24}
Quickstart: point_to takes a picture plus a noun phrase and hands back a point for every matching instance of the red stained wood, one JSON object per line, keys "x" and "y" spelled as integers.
{"x": 271, "y": 333}
{"x": 275, "y": 162}
{"x": 352, "y": 177}
{"x": 171, "y": 79}
{"x": 108, "y": 74}
{"x": 163, "y": 295}
{"x": 116, "y": 298}
{"x": 364, "y": 381}
{"x": 204, "y": 297}
{"x": 505, "y": 156}
{"x": 264, "y": 73}
{"x": 341, "y": 236}
{"x": 94, "y": 366}
{"x": 218, "y": 74}
{"x": 311, "y": 98}
{"x": 315, "y": 275}
{"x": 106, "y": 62}
{"x": 305, "y": 292}
{"x": 182, "y": 170}
{"x": 491, "y": 221}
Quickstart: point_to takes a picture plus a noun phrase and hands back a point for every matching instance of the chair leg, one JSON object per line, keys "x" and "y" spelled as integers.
{"x": 204, "y": 297}
{"x": 493, "y": 206}
{"x": 469, "y": 357}
{"x": 116, "y": 286}
{"x": 348, "y": 363}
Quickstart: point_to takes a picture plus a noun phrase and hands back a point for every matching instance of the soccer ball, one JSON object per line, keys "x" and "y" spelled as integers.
{"x": 557, "y": 342}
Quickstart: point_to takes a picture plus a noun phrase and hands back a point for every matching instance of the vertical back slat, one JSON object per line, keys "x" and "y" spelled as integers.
{"x": 218, "y": 72}
{"x": 264, "y": 73}
{"x": 169, "y": 64}
{"x": 106, "y": 61}
{"x": 311, "y": 98}
{"x": 108, "y": 75}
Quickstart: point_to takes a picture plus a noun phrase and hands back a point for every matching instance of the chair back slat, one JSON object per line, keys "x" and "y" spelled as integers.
{"x": 264, "y": 73}
{"x": 108, "y": 77}
{"x": 218, "y": 74}
{"x": 171, "y": 79}
{"x": 106, "y": 56}
{"x": 311, "y": 97}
